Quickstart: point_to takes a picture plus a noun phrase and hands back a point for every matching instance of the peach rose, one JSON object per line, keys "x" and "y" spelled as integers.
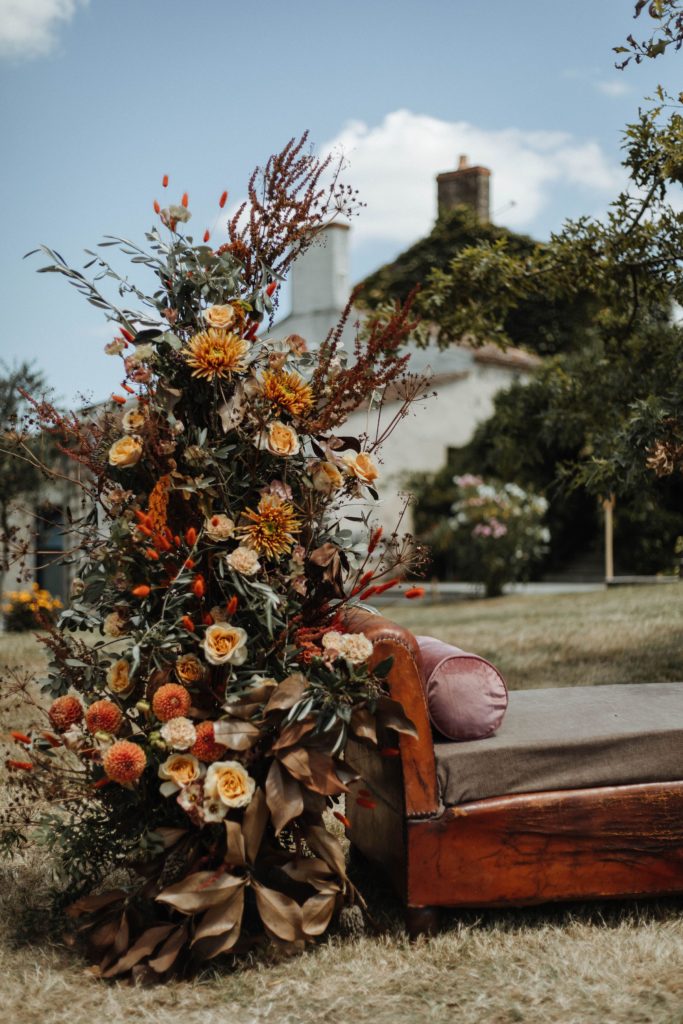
{"x": 126, "y": 451}
{"x": 189, "y": 669}
{"x": 326, "y": 478}
{"x": 114, "y": 625}
{"x": 243, "y": 560}
{"x": 219, "y": 527}
{"x": 225, "y": 645}
{"x": 361, "y": 466}
{"x": 230, "y": 783}
{"x": 177, "y": 771}
{"x": 133, "y": 421}
{"x": 179, "y": 733}
{"x": 220, "y": 316}
{"x": 118, "y": 678}
{"x": 280, "y": 439}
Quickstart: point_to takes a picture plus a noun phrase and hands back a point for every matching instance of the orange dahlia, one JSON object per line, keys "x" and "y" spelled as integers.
{"x": 103, "y": 716}
{"x": 124, "y": 762}
{"x": 171, "y": 701}
{"x": 205, "y": 747}
{"x": 216, "y": 354}
{"x": 287, "y": 392}
{"x": 65, "y": 711}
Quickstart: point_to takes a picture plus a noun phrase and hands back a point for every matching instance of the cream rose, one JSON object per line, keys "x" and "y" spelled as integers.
{"x": 230, "y": 783}
{"x": 126, "y": 451}
{"x": 219, "y": 527}
{"x": 279, "y": 439}
{"x": 114, "y": 625}
{"x": 189, "y": 669}
{"x": 354, "y": 647}
{"x": 361, "y": 466}
{"x": 326, "y": 478}
{"x": 179, "y": 733}
{"x": 133, "y": 421}
{"x": 118, "y": 678}
{"x": 244, "y": 561}
{"x": 225, "y": 645}
{"x": 178, "y": 771}
{"x": 219, "y": 316}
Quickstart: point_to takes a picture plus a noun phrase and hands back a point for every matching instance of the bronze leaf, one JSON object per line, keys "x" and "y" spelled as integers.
{"x": 146, "y": 944}
{"x": 254, "y": 824}
{"x": 280, "y": 914}
{"x": 324, "y": 844}
{"x": 236, "y": 734}
{"x": 316, "y": 913}
{"x": 168, "y": 953}
{"x": 288, "y": 692}
{"x": 199, "y": 891}
{"x": 283, "y": 796}
{"x": 221, "y": 918}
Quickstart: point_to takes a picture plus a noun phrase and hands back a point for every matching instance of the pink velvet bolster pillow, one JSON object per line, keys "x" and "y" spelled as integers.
{"x": 466, "y": 696}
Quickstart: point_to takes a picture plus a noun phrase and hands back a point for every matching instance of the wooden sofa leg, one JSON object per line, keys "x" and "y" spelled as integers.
{"x": 421, "y": 921}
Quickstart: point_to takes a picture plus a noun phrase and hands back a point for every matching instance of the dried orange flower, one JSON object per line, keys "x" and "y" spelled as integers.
{"x": 287, "y": 392}
{"x": 124, "y": 762}
{"x": 216, "y": 354}
{"x": 171, "y": 701}
{"x": 272, "y": 526}
{"x": 205, "y": 747}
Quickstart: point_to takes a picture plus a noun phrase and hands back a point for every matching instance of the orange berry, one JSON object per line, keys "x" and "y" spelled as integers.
{"x": 141, "y": 591}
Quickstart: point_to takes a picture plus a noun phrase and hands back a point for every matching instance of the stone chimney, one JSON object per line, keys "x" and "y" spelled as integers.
{"x": 467, "y": 186}
{"x": 320, "y": 278}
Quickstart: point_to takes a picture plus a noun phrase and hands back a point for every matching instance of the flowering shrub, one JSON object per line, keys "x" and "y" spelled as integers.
{"x": 198, "y": 741}
{"x": 498, "y": 532}
{"x": 29, "y": 609}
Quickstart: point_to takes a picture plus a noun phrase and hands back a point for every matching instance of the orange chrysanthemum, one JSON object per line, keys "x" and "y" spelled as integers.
{"x": 103, "y": 716}
{"x": 271, "y": 527}
{"x": 65, "y": 711}
{"x": 215, "y": 354}
{"x": 124, "y": 762}
{"x": 287, "y": 392}
{"x": 205, "y": 747}
{"x": 158, "y": 504}
{"x": 171, "y": 701}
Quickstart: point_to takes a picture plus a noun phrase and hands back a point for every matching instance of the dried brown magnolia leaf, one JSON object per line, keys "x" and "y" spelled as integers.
{"x": 312, "y": 871}
{"x": 168, "y": 953}
{"x": 146, "y": 944}
{"x": 214, "y": 945}
{"x": 288, "y": 692}
{"x": 363, "y": 724}
{"x": 222, "y": 918}
{"x": 170, "y": 836}
{"x": 88, "y": 904}
{"x": 103, "y": 936}
{"x": 280, "y": 914}
{"x": 254, "y": 824}
{"x": 283, "y": 796}
{"x": 317, "y": 912}
{"x": 122, "y": 937}
{"x": 234, "y": 851}
{"x": 315, "y": 770}
{"x": 392, "y": 715}
{"x": 199, "y": 891}
{"x": 326, "y": 846}
{"x": 236, "y": 734}
{"x": 291, "y": 734}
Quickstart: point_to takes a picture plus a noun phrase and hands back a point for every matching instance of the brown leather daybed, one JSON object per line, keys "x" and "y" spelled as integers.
{"x": 579, "y": 795}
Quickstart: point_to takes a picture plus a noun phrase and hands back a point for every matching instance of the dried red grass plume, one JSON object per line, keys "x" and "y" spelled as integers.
{"x": 185, "y": 200}
{"x": 207, "y": 235}
{"x": 157, "y": 208}
{"x": 142, "y": 590}
{"x": 231, "y": 606}
{"x": 24, "y": 766}
{"x": 223, "y": 199}
{"x": 20, "y": 737}
{"x": 119, "y": 399}
{"x": 188, "y": 623}
{"x": 164, "y": 181}
{"x": 198, "y": 587}
{"x": 414, "y": 592}
{"x": 191, "y": 536}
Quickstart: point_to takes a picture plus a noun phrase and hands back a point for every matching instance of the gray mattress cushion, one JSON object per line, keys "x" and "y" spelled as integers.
{"x": 570, "y": 738}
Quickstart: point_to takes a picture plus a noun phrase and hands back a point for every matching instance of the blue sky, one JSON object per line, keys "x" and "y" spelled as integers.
{"x": 99, "y": 98}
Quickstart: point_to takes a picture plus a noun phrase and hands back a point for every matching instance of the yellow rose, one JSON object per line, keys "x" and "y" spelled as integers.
{"x": 189, "y": 669}
{"x": 118, "y": 678}
{"x": 230, "y": 783}
{"x": 177, "y": 771}
{"x": 126, "y": 451}
{"x": 281, "y": 439}
{"x": 225, "y": 645}
{"x": 133, "y": 420}
{"x": 361, "y": 466}
{"x": 326, "y": 478}
{"x": 220, "y": 316}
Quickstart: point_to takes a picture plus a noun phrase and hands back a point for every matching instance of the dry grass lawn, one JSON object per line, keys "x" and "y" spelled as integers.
{"x": 598, "y": 964}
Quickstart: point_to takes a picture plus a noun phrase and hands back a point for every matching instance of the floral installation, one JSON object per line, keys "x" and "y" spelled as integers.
{"x": 192, "y": 748}
{"x": 499, "y": 531}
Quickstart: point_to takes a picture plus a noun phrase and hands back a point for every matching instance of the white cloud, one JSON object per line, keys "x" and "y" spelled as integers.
{"x": 614, "y": 88}
{"x": 394, "y": 165}
{"x": 28, "y": 28}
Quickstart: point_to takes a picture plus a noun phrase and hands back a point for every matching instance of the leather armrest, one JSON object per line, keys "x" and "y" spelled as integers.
{"x": 421, "y": 794}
